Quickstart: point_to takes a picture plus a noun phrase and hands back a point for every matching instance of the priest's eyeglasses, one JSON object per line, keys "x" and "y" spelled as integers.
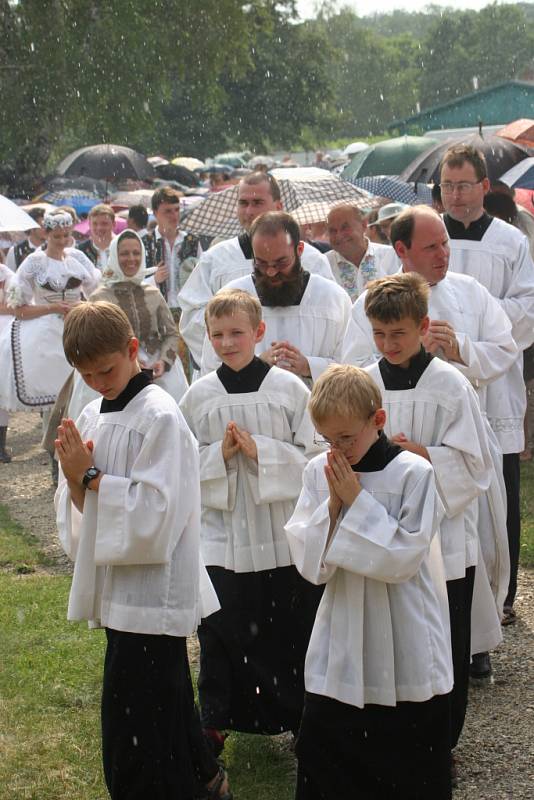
{"x": 279, "y": 266}
{"x": 462, "y": 187}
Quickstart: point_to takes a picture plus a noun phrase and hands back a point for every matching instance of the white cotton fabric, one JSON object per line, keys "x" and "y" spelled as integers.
{"x": 502, "y": 263}
{"x": 382, "y": 257}
{"x": 222, "y": 263}
{"x": 245, "y": 504}
{"x": 442, "y": 414}
{"x": 381, "y": 634}
{"x": 136, "y": 547}
{"x": 112, "y": 273}
{"x": 316, "y": 326}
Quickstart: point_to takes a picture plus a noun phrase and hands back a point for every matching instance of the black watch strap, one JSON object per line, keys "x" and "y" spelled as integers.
{"x": 90, "y": 474}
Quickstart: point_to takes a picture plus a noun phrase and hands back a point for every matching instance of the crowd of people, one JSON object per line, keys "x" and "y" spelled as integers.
{"x": 303, "y": 444}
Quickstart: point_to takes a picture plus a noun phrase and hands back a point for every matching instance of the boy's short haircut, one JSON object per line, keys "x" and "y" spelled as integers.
{"x": 229, "y": 301}
{"x": 395, "y": 297}
{"x": 139, "y": 214}
{"x": 165, "y": 194}
{"x": 93, "y": 330}
{"x": 271, "y": 223}
{"x": 459, "y": 154}
{"x": 102, "y": 208}
{"x": 344, "y": 391}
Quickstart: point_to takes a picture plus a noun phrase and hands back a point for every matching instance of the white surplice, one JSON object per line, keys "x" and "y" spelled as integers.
{"x": 316, "y": 326}
{"x": 245, "y": 504}
{"x": 381, "y": 634}
{"x": 501, "y": 262}
{"x": 136, "y": 546}
{"x": 442, "y": 413}
{"x": 222, "y": 263}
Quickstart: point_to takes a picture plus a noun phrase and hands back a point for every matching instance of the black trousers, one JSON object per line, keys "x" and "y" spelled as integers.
{"x": 460, "y": 593}
{"x": 374, "y": 753}
{"x": 512, "y": 480}
{"x": 152, "y": 743}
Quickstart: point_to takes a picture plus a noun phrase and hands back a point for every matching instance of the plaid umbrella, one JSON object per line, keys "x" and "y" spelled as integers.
{"x": 394, "y": 189}
{"x": 216, "y": 215}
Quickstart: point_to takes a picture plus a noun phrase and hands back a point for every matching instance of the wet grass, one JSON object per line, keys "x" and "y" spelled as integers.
{"x": 50, "y": 682}
{"x": 527, "y": 514}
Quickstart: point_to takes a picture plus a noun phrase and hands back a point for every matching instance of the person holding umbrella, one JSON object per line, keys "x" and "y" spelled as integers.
{"x": 35, "y": 239}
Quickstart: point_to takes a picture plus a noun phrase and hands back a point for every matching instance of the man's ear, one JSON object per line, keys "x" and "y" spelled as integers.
{"x": 260, "y": 332}
{"x": 379, "y": 419}
{"x": 400, "y": 249}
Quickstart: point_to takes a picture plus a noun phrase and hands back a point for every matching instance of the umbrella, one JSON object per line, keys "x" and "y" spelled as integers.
{"x": 13, "y": 218}
{"x": 394, "y": 189}
{"x": 501, "y": 155}
{"x": 233, "y": 159}
{"x": 108, "y": 161}
{"x": 387, "y": 158}
{"x": 91, "y": 186}
{"x": 175, "y": 172}
{"x": 138, "y": 197}
{"x": 521, "y": 131}
{"x": 157, "y": 161}
{"x": 525, "y": 198}
{"x": 216, "y": 215}
{"x": 355, "y": 147}
{"x": 188, "y": 161}
{"x": 521, "y": 176}
{"x": 80, "y": 200}
{"x": 259, "y": 161}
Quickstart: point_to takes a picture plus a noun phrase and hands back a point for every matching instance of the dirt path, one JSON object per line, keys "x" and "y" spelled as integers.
{"x": 496, "y": 752}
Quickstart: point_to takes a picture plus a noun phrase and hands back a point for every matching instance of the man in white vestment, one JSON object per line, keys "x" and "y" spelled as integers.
{"x": 305, "y": 315}
{"x": 232, "y": 258}
{"x": 354, "y": 259}
{"x": 497, "y": 255}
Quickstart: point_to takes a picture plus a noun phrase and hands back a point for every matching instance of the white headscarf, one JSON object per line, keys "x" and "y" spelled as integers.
{"x": 112, "y": 273}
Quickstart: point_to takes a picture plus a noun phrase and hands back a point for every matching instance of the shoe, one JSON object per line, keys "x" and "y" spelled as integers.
{"x": 454, "y": 772}
{"x": 219, "y": 789}
{"x": 480, "y": 671}
{"x": 509, "y": 616}
{"x": 215, "y": 740}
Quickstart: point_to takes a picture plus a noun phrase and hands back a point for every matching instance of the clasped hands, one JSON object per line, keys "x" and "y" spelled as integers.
{"x": 442, "y": 335}
{"x": 235, "y": 440}
{"x": 343, "y": 483}
{"x": 75, "y": 455}
{"x": 288, "y": 357}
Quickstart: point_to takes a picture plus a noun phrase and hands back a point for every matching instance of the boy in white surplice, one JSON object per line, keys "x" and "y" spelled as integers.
{"x": 378, "y": 669}
{"x": 128, "y": 512}
{"x": 255, "y": 437}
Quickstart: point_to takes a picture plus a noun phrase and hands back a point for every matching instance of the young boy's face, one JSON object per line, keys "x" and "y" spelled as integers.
{"x": 399, "y": 340}
{"x": 109, "y": 374}
{"x": 234, "y": 338}
{"x": 351, "y": 435}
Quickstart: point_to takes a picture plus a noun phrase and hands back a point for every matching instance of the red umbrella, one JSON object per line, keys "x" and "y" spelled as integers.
{"x": 525, "y": 198}
{"x": 520, "y": 131}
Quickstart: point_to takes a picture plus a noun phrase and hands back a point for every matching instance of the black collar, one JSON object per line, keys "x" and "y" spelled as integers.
{"x": 378, "y": 456}
{"x": 246, "y": 245}
{"x": 248, "y": 379}
{"x": 133, "y": 387}
{"x": 475, "y": 230}
{"x": 396, "y": 377}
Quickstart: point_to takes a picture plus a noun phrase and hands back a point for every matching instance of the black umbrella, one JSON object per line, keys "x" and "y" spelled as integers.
{"x": 176, "y": 172}
{"x": 501, "y": 154}
{"x": 57, "y": 183}
{"x": 107, "y": 161}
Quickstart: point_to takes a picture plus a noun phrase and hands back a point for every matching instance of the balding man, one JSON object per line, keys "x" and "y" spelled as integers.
{"x": 497, "y": 255}
{"x": 305, "y": 315}
{"x": 469, "y": 329}
{"x": 354, "y": 259}
{"x": 232, "y": 258}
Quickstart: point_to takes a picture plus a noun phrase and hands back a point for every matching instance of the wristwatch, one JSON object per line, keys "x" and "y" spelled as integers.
{"x": 90, "y": 474}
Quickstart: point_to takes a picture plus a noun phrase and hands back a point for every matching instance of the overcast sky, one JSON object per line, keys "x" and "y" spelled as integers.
{"x": 362, "y": 7}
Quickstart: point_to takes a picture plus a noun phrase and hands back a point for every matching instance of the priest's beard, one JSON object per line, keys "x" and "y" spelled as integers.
{"x": 288, "y": 293}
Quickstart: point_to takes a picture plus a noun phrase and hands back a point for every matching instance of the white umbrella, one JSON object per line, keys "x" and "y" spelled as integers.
{"x": 355, "y": 147}
{"x": 13, "y": 218}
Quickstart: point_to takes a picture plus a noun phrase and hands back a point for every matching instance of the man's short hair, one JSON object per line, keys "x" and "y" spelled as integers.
{"x": 396, "y": 297}
{"x": 344, "y": 391}
{"x": 229, "y": 301}
{"x": 436, "y": 193}
{"x": 274, "y": 222}
{"x": 93, "y": 330}
{"x": 403, "y": 226}
{"x": 165, "y": 194}
{"x": 459, "y": 154}
{"x": 348, "y": 206}
{"x": 255, "y": 178}
{"x": 103, "y": 209}
{"x": 139, "y": 215}
{"x": 37, "y": 213}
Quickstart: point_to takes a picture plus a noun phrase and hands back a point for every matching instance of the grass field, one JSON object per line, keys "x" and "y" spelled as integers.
{"x": 50, "y": 673}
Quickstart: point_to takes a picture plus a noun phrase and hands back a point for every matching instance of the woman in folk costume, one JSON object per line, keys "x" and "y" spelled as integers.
{"x": 6, "y": 317}
{"x": 149, "y": 315}
{"x": 44, "y": 289}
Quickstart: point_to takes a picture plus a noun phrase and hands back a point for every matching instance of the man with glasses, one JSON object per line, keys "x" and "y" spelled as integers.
{"x": 497, "y": 255}
{"x": 232, "y": 258}
{"x": 305, "y": 315}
